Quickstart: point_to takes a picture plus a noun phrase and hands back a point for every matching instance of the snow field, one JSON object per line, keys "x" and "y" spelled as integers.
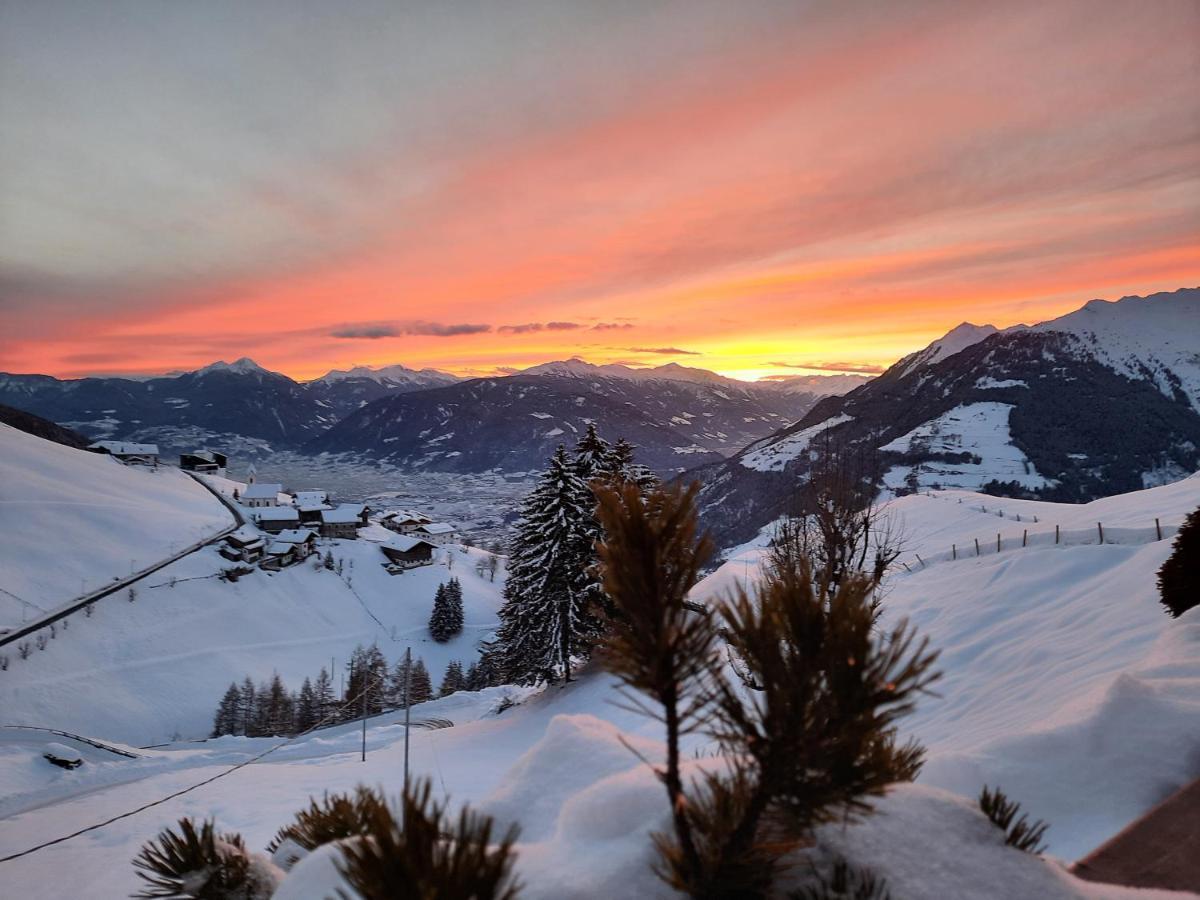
{"x": 74, "y": 521}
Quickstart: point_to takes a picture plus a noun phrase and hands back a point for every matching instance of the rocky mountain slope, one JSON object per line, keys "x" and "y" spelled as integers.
{"x": 1097, "y": 402}
{"x": 513, "y": 423}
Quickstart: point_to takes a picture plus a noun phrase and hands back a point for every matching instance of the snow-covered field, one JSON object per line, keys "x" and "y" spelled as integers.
{"x": 73, "y": 521}
{"x": 1064, "y": 683}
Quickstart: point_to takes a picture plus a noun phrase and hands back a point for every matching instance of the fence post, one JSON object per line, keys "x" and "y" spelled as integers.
{"x": 1158, "y": 528}
{"x": 1025, "y": 538}
{"x": 1018, "y": 517}
{"x": 954, "y": 551}
{"x": 976, "y": 546}
{"x": 997, "y": 542}
{"x": 1056, "y": 534}
{"x": 1100, "y": 528}
{"x": 921, "y": 561}
{"x": 1035, "y": 520}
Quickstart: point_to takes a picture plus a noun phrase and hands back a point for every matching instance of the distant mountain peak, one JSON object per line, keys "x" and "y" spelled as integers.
{"x": 243, "y": 366}
{"x": 385, "y": 374}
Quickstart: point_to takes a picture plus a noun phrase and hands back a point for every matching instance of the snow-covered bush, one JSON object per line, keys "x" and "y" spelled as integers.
{"x": 427, "y": 854}
{"x": 201, "y": 864}
{"x": 332, "y": 818}
{"x": 1018, "y": 832}
{"x": 808, "y": 731}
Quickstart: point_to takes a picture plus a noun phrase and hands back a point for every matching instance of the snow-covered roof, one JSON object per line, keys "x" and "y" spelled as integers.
{"x": 436, "y": 528}
{"x": 404, "y": 543}
{"x": 245, "y": 534}
{"x": 210, "y": 455}
{"x": 343, "y": 515}
{"x": 124, "y": 448}
{"x": 295, "y": 536}
{"x": 311, "y": 499}
{"x": 279, "y": 548}
{"x": 277, "y": 514}
{"x": 261, "y": 491}
{"x": 406, "y": 515}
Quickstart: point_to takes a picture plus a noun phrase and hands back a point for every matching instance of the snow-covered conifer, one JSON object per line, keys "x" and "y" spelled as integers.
{"x": 547, "y": 615}
{"x": 228, "y": 712}
{"x": 441, "y": 619}
{"x": 421, "y": 688}
{"x": 452, "y": 681}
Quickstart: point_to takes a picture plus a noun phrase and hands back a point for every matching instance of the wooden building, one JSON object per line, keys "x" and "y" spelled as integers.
{"x": 244, "y": 545}
{"x": 344, "y": 521}
{"x": 208, "y": 462}
{"x": 274, "y": 519}
{"x": 404, "y": 552}
{"x": 128, "y": 453}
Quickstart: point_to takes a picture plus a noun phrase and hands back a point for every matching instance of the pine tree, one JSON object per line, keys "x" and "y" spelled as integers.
{"x": 454, "y": 598}
{"x": 441, "y": 620}
{"x": 1179, "y": 577}
{"x": 323, "y": 701}
{"x": 421, "y": 688}
{"x": 306, "y": 708}
{"x": 260, "y": 721}
{"x": 277, "y": 708}
{"x": 246, "y": 709}
{"x": 593, "y": 456}
{"x": 228, "y": 712}
{"x": 471, "y": 680}
{"x": 547, "y": 616}
{"x": 626, "y": 470}
{"x": 452, "y": 681}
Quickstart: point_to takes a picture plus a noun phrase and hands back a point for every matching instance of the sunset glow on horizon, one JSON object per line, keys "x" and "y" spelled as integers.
{"x": 758, "y": 189}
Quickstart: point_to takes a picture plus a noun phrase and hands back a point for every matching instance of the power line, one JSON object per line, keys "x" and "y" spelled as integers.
{"x": 133, "y": 812}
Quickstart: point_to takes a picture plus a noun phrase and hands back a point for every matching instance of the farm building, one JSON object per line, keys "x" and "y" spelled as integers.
{"x": 403, "y": 521}
{"x": 274, "y": 519}
{"x": 404, "y": 552}
{"x": 344, "y": 521}
{"x": 258, "y": 495}
{"x": 208, "y": 462}
{"x": 310, "y": 505}
{"x": 302, "y": 540}
{"x": 128, "y": 453}
{"x": 244, "y": 545}
{"x": 438, "y": 533}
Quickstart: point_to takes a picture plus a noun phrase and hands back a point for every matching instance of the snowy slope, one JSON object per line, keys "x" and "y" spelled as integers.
{"x": 162, "y": 662}
{"x": 1064, "y": 683}
{"x": 73, "y": 521}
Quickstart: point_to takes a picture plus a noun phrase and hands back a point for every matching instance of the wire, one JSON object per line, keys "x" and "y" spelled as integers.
{"x": 133, "y": 812}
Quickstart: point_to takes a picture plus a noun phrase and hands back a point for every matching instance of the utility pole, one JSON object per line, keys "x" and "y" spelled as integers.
{"x": 366, "y": 676}
{"x": 407, "y": 721}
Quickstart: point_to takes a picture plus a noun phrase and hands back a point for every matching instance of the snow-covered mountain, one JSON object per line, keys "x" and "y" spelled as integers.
{"x": 821, "y": 385}
{"x": 1103, "y": 400}
{"x": 513, "y": 423}
{"x": 344, "y": 391}
{"x": 238, "y": 405}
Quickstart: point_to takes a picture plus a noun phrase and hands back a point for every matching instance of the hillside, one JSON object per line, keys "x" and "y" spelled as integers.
{"x": 1064, "y": 682}
{"x": 73, "y": 521}
{"x": 43, "y": 428}
{"x": 515, "y": 422}
{"x": 1102, "y": 401}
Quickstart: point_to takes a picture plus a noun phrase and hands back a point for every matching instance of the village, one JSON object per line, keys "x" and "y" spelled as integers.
{"x": 280, "y": 527}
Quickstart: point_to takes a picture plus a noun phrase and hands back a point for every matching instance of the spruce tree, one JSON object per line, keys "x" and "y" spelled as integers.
{"x": 454, "y": 600}
{"x": 228, "y": 712}
{"x": 452, "y": 681}
{"x": 547, "y": 616}
{"x": 421, "y": 688}
{"x": 306, "y": 707}
{"x": 626, "y": 470}
{"x": 246, "y": 708}
{"x": 277, "y": 709}
{"x": 593, "y": 456}
{"x": 471, "y": 679}
{"x": 323, "y": 701}
{"x": 1179, "y": 577}
{"x": 260, "y": 723}
{"x": 441, "y": 619}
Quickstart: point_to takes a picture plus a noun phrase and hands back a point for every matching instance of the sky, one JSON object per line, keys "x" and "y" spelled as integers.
{"x": 756, "y": 188}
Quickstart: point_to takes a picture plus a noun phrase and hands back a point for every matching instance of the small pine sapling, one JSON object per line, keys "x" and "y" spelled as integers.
{"x": 201, "y": 864}
{"x": 23, "y": 649}
{"x": 333, "y": 818}
{"x": 41, "y": 640}
{"x": 843, "y": 882}
{"x": 425, "y": 853}
{"x": 1018, "y": 832}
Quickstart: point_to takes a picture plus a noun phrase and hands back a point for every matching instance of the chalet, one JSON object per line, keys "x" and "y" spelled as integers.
{"x": 274, "y": 519}
{"x": 303, "y": 542}
{"x": 128, "y": 453}
{"x": 438, "y": 533}
{"x": 404, "y": 552}
{"x": 279, "y": 554}
{"x": 208, "y": 462}
{"x": 310, "y": 505}
{"x": 244, "y": 545}
{"x": 344, "y": 521}
{"x": 403, "y": 521}
{"x": 258, "y": 495}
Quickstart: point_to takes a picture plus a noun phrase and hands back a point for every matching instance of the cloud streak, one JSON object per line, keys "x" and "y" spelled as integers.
{"x": 844, "y": 367}
{"x": 375, "y": 331}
